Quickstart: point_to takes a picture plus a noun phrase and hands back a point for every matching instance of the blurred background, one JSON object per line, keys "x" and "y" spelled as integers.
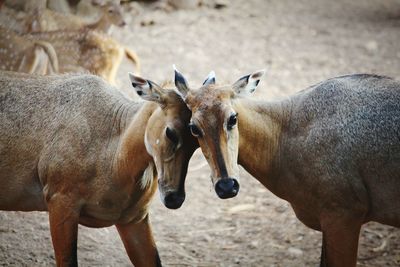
{"x": 299, "y": 43}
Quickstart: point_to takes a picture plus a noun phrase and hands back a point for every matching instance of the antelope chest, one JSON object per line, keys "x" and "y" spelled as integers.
{"x": 117, "y": 206}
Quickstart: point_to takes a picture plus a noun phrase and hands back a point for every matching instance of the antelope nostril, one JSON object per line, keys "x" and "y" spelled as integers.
{"x": 227, "y": 188}
{"x": 225, "y": 185}
{"x": 174, "y": 200}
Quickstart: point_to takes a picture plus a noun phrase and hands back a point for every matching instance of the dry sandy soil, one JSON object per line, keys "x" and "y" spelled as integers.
{"x": 300, "y": 43}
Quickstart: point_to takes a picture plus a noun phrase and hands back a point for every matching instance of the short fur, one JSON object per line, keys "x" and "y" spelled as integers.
{"x": 332, "y": 151}
{"x": 75, "y": 146}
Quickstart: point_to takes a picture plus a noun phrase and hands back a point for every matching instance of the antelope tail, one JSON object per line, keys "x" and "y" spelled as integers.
{"x": 134, "y": 58}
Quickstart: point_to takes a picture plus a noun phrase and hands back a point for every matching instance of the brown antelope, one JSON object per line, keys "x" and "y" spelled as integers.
{"x": 87, "y": 50}
{"x": 20, "y": 54}
{"x": 332, "y": 151}
{"x": 75, "y": 147}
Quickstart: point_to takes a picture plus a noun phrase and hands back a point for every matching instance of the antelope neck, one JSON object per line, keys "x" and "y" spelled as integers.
{"x": 260, "y": 126}
{"x": 132, "y": 157}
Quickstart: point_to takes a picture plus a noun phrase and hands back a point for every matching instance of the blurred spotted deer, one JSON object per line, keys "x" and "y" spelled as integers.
{"x": 80, "y": 50}
{"x": 86, "y": 9}
{"x": 332, "y": 151}
{"x": 102, "y": 16}
{"x": 74, "y": 146}
{"x": 86, "y": 50}
{"x": 23, "y": 55}
{"x": 25, "y": 5}
{"x": 102, "y": 13}
{"x": 33, "y": 16}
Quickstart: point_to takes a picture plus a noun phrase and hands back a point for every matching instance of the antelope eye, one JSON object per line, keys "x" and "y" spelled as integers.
{"x": 195, "y": 130}
{"x": 172, "y": 135}
{"x": 232, "y": 121}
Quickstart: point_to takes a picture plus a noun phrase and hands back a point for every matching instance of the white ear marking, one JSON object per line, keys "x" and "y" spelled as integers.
{"x": 180, "y": 82}
{"x": 210, "y": 78}
{"x": 146, "y": 89}
{"x": 248, "y": 83}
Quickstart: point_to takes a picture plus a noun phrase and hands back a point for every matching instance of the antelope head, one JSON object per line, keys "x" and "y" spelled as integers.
{"x": 167, "y": 139}
{"x": 112, "y": 10}
{"x": 214, "y": 123}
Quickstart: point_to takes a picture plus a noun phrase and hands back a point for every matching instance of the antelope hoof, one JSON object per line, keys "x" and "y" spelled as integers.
{"x": 174, "y": 200}
{"x": 227, "y": 188}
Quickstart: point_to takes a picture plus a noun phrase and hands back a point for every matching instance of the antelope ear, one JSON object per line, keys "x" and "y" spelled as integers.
{"x": 180, "y": 82}
{"x": 146, "y": 89}
{"x": 247, "y": 84}
{"x": 210, "y": 78}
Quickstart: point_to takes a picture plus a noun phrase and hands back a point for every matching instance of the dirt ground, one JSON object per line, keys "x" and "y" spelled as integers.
{"x": 299, "y": 43}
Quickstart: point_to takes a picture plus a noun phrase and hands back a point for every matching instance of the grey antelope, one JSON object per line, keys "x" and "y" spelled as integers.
{"x": 332, "y": 151}
{"x": 77, "y": 148}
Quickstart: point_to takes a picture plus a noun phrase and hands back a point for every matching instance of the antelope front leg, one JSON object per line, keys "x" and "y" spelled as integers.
{"x": 64, "y": 218}
{"x": 139, "y": 243}
{"x": 340, "y": 241}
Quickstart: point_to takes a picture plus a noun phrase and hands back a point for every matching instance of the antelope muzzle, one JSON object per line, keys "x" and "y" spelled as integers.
{"x": 174, "y": 200}
{"x": 227, "y": 188}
